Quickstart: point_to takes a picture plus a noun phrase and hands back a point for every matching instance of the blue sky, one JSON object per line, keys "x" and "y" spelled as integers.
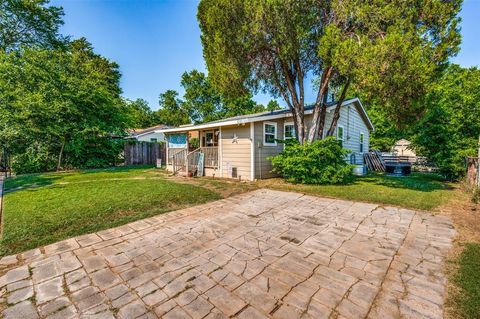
{"x": 155, "y": 41}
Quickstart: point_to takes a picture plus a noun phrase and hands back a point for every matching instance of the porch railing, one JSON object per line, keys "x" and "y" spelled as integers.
{"x": 211, "y": 156}
{"x": 192, "y": 162}
{"x": 179, "y": 159}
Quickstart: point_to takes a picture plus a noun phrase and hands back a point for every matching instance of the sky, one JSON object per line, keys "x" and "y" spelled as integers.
{"x": 155, "y": 41}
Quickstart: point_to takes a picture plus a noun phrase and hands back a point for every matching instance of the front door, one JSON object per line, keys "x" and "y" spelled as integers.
{"x": 210, "y": 138}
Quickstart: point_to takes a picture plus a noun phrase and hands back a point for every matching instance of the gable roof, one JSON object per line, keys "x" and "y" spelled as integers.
{"x": 144, "y": 131}
{"x": 269, "y": 115}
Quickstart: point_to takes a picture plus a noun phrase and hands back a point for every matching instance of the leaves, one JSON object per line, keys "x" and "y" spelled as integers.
{"x": 320, "y": 162}
{"x": 29, "y": 23}
{"x": 388, "y": 50}
{"x": 450, "y": 129}
{"x": 54, "y": 98}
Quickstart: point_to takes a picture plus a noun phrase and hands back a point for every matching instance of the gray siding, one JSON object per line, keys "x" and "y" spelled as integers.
{"x": 350, "y": 119}
{"x": 263, "y": 166}
{"x": 353, "y": 125}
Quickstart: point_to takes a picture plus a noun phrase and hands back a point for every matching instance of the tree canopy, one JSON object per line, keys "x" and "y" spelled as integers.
{"x": 202, "y": 102}
{"x": 140, "y": 114}
{"x": 390, "y": 49}
{"x": 29, "y": 23}
{"x": 60, "y": 107}
{"x": 450, "y": 129}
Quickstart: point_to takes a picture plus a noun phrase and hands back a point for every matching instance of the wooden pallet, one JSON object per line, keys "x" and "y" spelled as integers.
{"x": 374, "y": 161}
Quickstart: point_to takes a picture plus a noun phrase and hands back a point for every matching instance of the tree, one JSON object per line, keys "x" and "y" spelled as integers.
{"x": 172, "y": 110}
{"x": 450, "y": 129}
{"x": 273, "y": 105}
{"x": 29, "y": 23}
{"x": 140, "y": 114}
{"x": 275, "y": 45}
{"x": 57, "y": 107}
{"x": 202, "y": 102}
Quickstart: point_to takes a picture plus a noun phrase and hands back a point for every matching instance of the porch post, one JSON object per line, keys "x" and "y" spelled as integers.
{"x": 220, "y": 153}
{"x": 252, "y": 151}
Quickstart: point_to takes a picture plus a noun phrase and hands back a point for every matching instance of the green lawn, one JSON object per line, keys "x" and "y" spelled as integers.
{"x": 40, "y": 209}
{"x": 468, "y": 280}
{"x": 418, "y": 191}
{"x": 44, "y": 208}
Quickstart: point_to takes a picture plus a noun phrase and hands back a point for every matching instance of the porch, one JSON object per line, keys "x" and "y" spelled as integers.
{"x": 193, "y": 153}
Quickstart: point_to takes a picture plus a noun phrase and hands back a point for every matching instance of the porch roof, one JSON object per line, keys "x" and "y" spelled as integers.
{"x": 264, "y": 116}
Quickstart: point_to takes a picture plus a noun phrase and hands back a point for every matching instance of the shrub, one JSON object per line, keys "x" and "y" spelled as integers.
{"x": 320, "y": 162}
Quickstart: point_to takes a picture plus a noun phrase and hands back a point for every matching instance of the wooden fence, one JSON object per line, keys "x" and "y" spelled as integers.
{"x": 472, "y": 171}
{"x": 143, "y": 153}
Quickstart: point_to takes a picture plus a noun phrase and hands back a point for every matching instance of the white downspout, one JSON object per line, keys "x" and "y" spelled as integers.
{"x": 252, "y": 151}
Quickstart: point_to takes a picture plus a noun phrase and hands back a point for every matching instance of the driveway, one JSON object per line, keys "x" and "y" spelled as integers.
{"x": 263, "y": 254}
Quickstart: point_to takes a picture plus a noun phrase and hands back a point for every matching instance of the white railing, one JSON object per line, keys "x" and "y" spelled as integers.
{"x": 211, "y": 156}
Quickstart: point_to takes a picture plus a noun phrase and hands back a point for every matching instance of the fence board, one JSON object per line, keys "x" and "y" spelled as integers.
{"x": 143, "y": 153}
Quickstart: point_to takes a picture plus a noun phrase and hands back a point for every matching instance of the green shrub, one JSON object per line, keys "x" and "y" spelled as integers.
{"x": 320, "y": 162}
{"x": 194, "y": 142}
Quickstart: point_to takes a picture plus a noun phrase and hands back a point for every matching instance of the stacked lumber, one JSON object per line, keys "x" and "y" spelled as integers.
{"x": 374, "y": 161}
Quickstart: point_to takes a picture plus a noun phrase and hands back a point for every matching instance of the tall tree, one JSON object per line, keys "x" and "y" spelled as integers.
{"x": 172, "y": 110}
{"x": 450, "y": 129}
{"x": 202, "y": 102}
{"x": 58, "y": 106}
{"x": 275, "y": 45}
{"x": 29, "y": 23}
{"x": 140, "y": 114}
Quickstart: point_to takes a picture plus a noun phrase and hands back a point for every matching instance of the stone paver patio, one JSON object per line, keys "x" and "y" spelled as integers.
{"x": 264, "y": 254}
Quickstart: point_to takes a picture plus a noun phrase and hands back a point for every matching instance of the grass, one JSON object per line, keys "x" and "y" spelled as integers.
{"x": 467, "y": 279}
{"x": 41, "y": 209}
{"x": 417, "y": 191}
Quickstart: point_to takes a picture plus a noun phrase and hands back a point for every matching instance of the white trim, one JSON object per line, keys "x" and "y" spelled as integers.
{"x": 252, "y": 151}
{"x": 274, "y": 124}
{"x": 343, "y": 133}
{"x": 284, "y": 125}
{"x": 263, "y": 117}
{"x": 220, "y": 152}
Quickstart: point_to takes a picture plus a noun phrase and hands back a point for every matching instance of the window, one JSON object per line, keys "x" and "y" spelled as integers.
{"x": 269, "y": 133}
{"x": 289, "y": 131}
{"x": 362, "y": 138}
{"x": 340, "y": 134}
{"x": 153, "y": 140}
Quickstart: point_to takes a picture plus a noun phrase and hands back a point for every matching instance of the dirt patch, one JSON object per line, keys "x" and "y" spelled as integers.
{"x": 466, "y": 218}
{"x": 223, "y": 187}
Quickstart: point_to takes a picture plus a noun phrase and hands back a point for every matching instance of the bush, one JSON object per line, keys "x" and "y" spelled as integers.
{"x": 320, "y": 162}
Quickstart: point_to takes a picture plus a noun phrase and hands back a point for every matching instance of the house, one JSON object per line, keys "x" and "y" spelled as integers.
{"x": 238, "y": 147}
{"x": 403, "y": 147}
{"x": 150, "y": 134}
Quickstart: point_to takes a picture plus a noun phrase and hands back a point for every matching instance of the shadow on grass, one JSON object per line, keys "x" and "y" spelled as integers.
{"x": 29, "y": 181}
{"x": 423, "y": 182}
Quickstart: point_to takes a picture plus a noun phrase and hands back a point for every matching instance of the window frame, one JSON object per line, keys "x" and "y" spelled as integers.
{"x": 361, "y": 139}
{"x": 274, "y": 124}
{"x": 284, "y": 130}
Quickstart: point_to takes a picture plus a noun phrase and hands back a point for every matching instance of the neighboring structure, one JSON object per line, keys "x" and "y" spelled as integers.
{"x": 150, "y": 134}
{"x": 403, "y": 147}
{"x": 239, "y": 147}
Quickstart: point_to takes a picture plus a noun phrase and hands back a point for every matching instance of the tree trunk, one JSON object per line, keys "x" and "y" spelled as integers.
{"x": 319, "y": 107}
{"x": 59, "y": 164}
{"x": 323, "y": 114}
{"x": 336, "y": 114}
